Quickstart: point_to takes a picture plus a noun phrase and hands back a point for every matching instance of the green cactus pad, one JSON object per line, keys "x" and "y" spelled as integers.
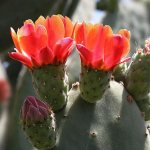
{"x": 138, "y": 77}
{"x": 144, "y": 106}
{"x": 92, "y": 84}
{"x": 119, "y": 72}
{"x": 138, "y": 82}
{"x": 50, "y": 86}
{"x": 42, "y": 134}
{"x": 113, "y": 123}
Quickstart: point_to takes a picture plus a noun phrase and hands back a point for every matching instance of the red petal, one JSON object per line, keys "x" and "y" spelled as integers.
{"x": 116, "y": 48}
{"x": 85, "y": 54}
{"x": 46, "y": 56}
{"x": 36, "y": 61}
{"x": 63, "y": 48}
{"x": 23, "y": 59}
{"x": 31, "y": 40}
{"x": 55, "y": 28}
{"x": 79, "y": 33}
{"x": 98, "y": 64}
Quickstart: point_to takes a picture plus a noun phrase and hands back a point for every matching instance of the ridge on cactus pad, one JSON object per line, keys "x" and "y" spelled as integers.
{"x": 38, "y": 123}
{"x": 43, "y": 47}
{"x": 100, "y": 50}
{"x": 138, "y": 79}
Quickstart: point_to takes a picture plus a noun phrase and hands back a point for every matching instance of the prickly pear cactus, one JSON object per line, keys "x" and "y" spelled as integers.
{"x": 50, "y": 86}
{"x": 119, "y": 72}
{"x": 97, "y": 114}
{"x": 138, "y": 79}
{"x": 38, "y": 123}
{"x": 112, "y": 123}
{"x": 93, "y": 83}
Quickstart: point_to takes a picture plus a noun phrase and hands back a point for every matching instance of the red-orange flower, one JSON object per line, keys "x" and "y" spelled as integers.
{"x": 47, "y": 41}
{"x": 99, "y": 48}
{"x": 5, "y": 90}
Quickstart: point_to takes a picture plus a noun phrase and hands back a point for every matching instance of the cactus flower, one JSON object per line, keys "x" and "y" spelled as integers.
{"x": 38, "y": 123}
{"x": 34, "y": 110}
{"x": 5, "y": 91}
{"x": 47, "y": 41}
{"x": 99, "y": 48}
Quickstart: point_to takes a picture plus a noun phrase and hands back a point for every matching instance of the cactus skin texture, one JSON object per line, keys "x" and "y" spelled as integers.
{"x": 113, "y": 123}
{"x": 92, "y": 84}
{"x": 38, "y": 123}
{"x": 138, "y": 82}
{"x": 50, "y": 86}
{"x": 119, "y": 72}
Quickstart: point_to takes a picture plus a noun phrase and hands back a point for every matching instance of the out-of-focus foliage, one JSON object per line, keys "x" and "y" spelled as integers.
{"x": 108, "y": 5}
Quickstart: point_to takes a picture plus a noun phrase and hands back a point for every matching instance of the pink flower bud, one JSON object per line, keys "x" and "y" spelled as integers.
{"x": 34, "y": 110}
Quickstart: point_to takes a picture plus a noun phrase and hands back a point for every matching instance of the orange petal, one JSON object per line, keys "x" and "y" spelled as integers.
{"x": 15, "y": 39}
{"x": 125, "y": 32}
{"x": 31, "y": 40}
{"x": 29, "y": 21}
{"x": 93, "y": 36}
{"x": 68, "y": 27}
{"x": 103, "y": 33}
{"x": 23, "y": 59}
{"x": 62, "y": 49}
{"x": 40, "y": 21}
{"x": 55, "y": 29}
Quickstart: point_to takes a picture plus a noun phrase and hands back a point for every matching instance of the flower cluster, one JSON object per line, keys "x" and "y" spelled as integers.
{"x": 46, "y": 41}
{"x": 99, "y": 48}
{"x": 50, "y": 40}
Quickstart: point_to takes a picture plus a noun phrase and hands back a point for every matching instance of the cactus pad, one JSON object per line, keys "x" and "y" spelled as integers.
{"x": 50, "y": 86}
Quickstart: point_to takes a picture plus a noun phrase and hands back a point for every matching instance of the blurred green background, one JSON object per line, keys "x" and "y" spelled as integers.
{"x": 133, "y": 15}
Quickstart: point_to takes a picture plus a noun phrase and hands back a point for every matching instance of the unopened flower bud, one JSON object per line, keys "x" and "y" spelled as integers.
{"x": 38, "y": 123}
